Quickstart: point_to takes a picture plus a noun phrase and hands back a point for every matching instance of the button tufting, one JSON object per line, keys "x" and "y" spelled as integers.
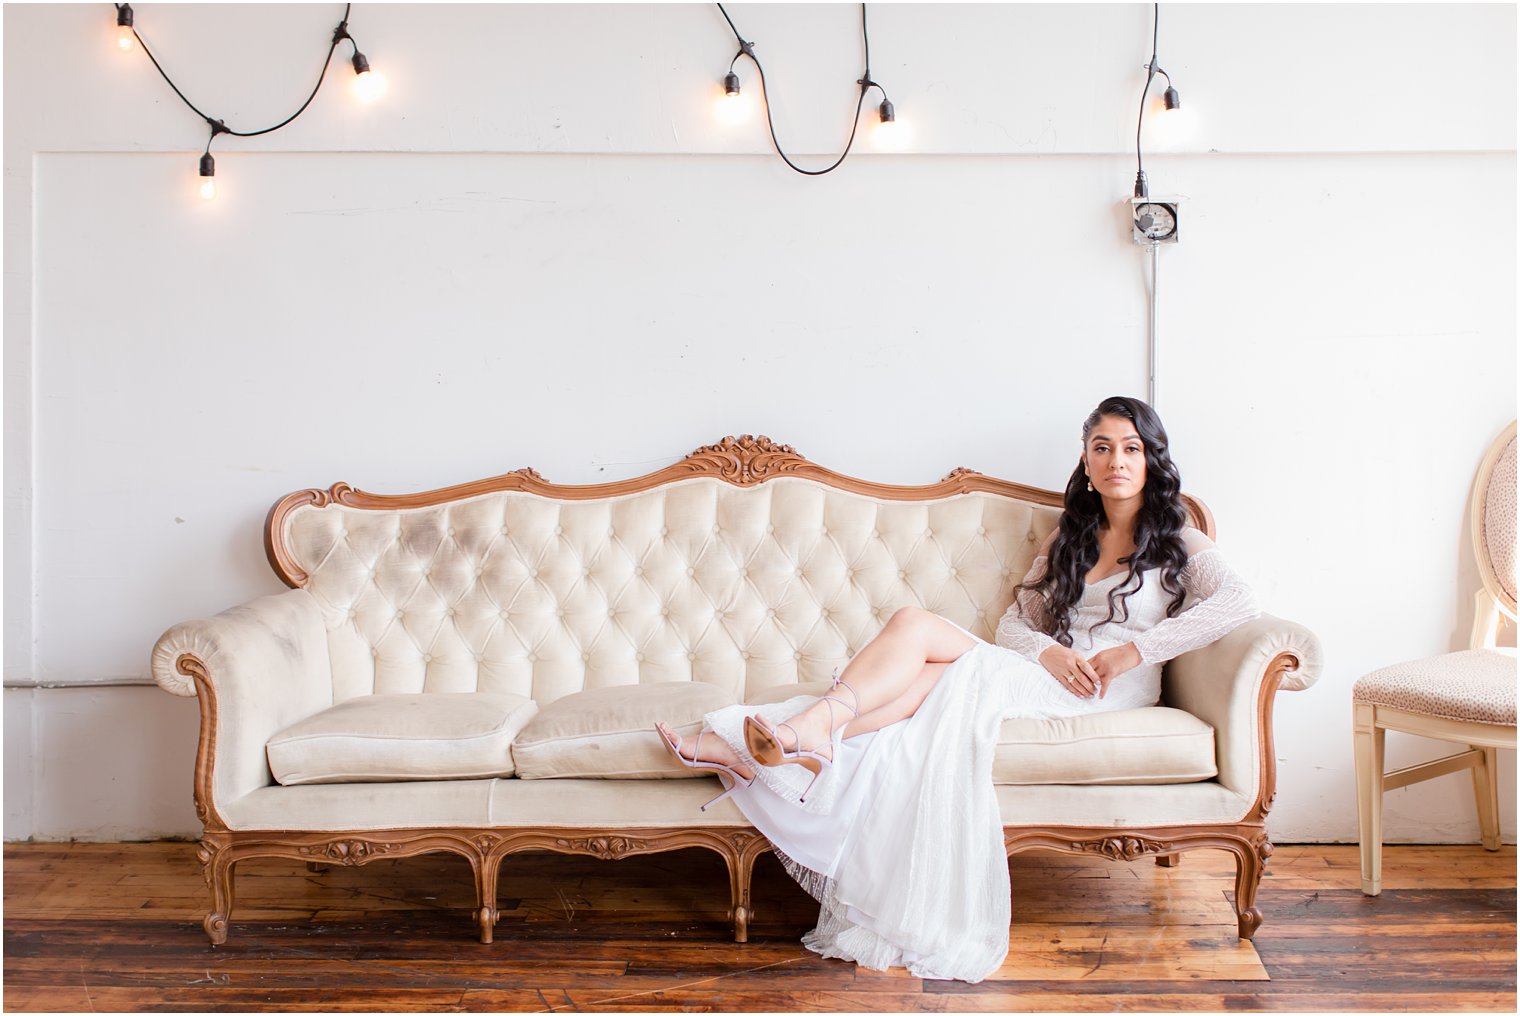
{"x": 981, "y": 530}
{"x": 559, "y": 530}
{"x": 796, "y": 656}
{"x": 799, "y": 573}
{"x": 534, "y": 573}
{"x": 451, "y": 530}
{"x": 560, "y": 612}
{"x": 640, "y": 657}
{"x": 902, "y": 574}
{"x": 532, "y": 657}
{"x": 504, "y": 531}
{"x": 374, "y": 652}
{"x": 504, "y": 613}
{"x": 771, "y": 612}
{"x": 954, "y": 572}
{"x": 745, "y": 654}
{"x": 612, "y": 613}
{"x": 1031, "y": 536}
{"x": 717, "y": 529}
{"x": 691, "y": 656}
{"x": 451, "y": 611}
{"x": 479, "y": 572}
{"x": 1005, "y": 573}
{"x": 585, "y": 656}
{"x": 691, "y": 571}
{"x": 664, "y": 531}
{"x": 876, "y": 534}
{"x": 665, "y": 612}
{"x": 343, "y": 534}
{"x": 427, "y": 657}
{"x": 612, "y": 532}
{"x": 770, "y": 528}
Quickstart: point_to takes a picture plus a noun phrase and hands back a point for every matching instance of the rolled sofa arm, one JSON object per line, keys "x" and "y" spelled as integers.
{"x": 263, "y": 665}
{"x": 1222, "y": 684}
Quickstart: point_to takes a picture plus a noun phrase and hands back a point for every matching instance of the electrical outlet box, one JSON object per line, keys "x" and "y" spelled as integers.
{"x": 1154, "y": 220}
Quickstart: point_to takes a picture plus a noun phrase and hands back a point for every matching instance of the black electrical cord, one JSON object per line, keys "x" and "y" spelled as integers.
{"x": 1141, "y": 190}
{"x": 219, "y": 127}
{"x": 865, "y": 82}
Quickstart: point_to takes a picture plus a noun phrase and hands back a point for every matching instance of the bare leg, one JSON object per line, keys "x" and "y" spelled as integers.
{"x": 890, "y": 674}
{"x": 712, "y": 749}
{"x": 900, "y": 708}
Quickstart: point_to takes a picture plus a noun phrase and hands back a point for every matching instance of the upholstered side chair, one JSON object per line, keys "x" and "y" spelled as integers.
{"x": 1466, "y": 696}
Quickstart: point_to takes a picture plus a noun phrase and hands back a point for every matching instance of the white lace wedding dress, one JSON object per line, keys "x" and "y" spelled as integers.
{"x": 901, "y": 840}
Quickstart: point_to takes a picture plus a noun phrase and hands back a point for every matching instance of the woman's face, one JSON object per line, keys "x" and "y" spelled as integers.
{"x": 1115, "y": 458}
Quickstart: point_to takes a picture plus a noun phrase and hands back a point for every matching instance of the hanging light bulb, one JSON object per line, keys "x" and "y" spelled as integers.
{"x": 1174, "y": 124}
{"x": 124, "y": 34}
{"x": 368, "y": 85}
{"x": 890, "y": 134}
{"x": 208, "y": 176}
{"x": 733, "y": 106}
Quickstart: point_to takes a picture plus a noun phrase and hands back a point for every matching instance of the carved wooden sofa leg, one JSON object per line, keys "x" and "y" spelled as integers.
{"x": 744, "y": 849}
{"x": 1250, "y": 864}
{"x": 487, "y": 867}
{"x": 217, "y": 867}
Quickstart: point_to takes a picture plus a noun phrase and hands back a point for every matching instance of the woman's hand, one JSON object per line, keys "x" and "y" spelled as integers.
{"x": 1076, "y": 675}
{"x": 1110, "y": 663}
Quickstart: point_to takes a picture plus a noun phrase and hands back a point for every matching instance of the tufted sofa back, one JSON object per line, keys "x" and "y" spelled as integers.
{"x": 743, "y": 565}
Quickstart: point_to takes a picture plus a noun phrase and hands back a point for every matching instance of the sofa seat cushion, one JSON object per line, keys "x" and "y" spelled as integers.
{"x": 609, "y": 732}
{"x": 1126, "y": 746}
{"x": 428, "y": 736}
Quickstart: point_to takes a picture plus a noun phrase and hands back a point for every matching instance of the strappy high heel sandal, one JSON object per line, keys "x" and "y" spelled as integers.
{"x": 761, "y": 740}
{"x": 674, "y": 747}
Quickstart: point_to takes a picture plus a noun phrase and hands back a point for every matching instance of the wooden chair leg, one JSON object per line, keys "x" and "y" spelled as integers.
{"x": 1369, "y": 795}
{"x": 1485, "y": 777}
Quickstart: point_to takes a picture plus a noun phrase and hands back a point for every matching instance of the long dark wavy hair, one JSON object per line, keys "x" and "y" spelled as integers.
{"x": 1158, "y": 528}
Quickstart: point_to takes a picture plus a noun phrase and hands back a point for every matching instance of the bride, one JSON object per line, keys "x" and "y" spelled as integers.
{"x": 877, "y": 797}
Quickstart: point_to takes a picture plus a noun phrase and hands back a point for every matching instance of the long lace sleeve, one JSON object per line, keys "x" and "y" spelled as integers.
{"x": 1015, "y": 631}
{"x": 1223, "y": 603}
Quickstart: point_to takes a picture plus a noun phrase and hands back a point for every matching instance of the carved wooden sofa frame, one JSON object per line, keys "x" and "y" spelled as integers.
{"x": 743, "y": 461}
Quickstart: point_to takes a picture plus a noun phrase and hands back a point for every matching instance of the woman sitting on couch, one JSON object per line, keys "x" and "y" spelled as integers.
{"x": 878, "y": 796}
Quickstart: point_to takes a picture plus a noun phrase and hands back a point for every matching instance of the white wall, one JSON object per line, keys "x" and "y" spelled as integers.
{"x": 542, "y": 249}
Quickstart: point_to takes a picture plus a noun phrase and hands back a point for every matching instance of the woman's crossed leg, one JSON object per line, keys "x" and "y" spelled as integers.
{"x": 885, "y": 682}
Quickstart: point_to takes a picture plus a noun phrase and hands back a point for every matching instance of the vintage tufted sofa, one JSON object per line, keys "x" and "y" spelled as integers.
{"x": 743, "y": 572}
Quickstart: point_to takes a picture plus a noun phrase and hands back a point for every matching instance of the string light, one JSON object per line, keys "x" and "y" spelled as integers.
{"x": 208, "y": 176}
{"x": 733, "y": 94}
{"x": 1172, "y": 101}
{"x": 368, "y": 83}
{"x": 124, "y": 32}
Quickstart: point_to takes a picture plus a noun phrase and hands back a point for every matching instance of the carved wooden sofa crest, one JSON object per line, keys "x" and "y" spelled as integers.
{"x": 476, "y": 670}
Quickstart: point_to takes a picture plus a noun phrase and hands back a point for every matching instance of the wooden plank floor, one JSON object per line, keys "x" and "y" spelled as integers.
{"x": 98, "y": 926}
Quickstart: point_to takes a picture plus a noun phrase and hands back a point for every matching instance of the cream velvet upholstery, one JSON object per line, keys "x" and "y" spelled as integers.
{"x": 381, "y": 738}
{"x": 268, "y": 659}
{"x": 607, "y": 732}
{"x": 1219, "y": 684}
{"x": 1127, "y": 746}
{"x": 695, "y": 580}
{"x": 1121, "y": 748}
{"x": 671, "y": 804}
